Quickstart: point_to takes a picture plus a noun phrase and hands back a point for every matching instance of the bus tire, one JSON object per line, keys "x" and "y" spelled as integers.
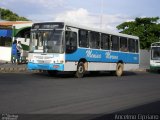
{"x": 119, "y": 69}
{"x": 80, "y": 70}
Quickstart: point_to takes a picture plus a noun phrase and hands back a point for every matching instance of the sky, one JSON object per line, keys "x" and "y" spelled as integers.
{"x": 104, "y": 14}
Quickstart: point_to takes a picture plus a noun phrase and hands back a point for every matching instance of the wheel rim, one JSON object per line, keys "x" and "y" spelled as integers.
{"x": 119, "y": 70}
{"x": 80, "y": 69}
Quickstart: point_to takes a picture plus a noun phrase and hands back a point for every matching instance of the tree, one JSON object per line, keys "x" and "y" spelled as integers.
{"x": 147, "y": 29}
{"x": 10, "y": 16}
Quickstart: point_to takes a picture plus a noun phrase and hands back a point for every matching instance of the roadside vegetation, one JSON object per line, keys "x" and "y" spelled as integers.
{"x": 147, "y": 29}
{"x": 8, "y": 15}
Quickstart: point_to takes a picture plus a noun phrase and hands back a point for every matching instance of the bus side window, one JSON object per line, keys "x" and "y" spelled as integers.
{"x": 94, "y": 40}
{"x": 115, "y": 43}
{"x": 71, "y": 41}
{"x": 123, "y": 44}
{"x": 137, "y": 46}
{"x": 105, "y": 41}
{"x": 83, "y": 38}
{"x": 131, "y": 45}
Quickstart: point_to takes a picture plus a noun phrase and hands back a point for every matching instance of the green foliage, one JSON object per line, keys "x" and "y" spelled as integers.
{"x": 10, "y": 16}
{"x": 147, "y": 29}
{"x": 25, "y": 47}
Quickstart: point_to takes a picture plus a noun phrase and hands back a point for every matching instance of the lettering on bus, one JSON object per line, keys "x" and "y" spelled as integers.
{"x": 135, "y": 58}
{"x": 109, "y": 56}
{"x": 90, "y": 54}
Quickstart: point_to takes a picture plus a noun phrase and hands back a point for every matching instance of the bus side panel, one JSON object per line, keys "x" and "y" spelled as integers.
{"x": 130, "y": 58}
{"x": 100, "y": 60}
{"x": 93, "y": 66}
{"x": 103, "y": 56}
{"x": 131, "y": 67}
{"x": 70, "y": 66}
{"x": 89, "y": 55}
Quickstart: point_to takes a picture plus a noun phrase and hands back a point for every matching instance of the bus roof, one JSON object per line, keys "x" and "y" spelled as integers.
{"x": 155, "y": 44}
{"x": 92, "y": 29}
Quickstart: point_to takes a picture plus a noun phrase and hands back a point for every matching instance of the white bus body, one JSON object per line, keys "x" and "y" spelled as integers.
{"x": 155, "y": 56}
{"x": 58, "y": 46}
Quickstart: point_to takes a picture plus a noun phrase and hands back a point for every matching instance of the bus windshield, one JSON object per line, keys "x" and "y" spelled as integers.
{"x": 155, "y": 53}
{"x": 46, "y": 41}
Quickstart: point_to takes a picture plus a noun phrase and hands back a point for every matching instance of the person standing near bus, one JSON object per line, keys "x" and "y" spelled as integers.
{"x": 14, "y": 51}
{"x": 19, "y": 51}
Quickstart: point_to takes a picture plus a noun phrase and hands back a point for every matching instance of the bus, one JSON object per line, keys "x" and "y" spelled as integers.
{"x": 155, "y": 56}
{"x": 61, "y": 46}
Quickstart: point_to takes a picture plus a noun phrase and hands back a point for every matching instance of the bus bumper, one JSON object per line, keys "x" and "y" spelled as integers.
{"x": 36, "y": 66}
{"x": 154, "y": 67}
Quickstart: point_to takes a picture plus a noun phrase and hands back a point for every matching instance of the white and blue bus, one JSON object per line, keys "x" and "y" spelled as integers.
{"x": 60, "y": 46}
{"x": 155, "y": 56}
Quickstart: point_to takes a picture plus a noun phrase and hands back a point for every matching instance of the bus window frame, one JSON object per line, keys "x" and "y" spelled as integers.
{"x": 97, "y": 43}
{"x": 71, "y": 48}
{"x": 86, "y": 39}
{"x": 108, "y": 46}
{"x": 118, "y": 45}
{"x": 123, "y": 45}
{"x": 131, "y": 48}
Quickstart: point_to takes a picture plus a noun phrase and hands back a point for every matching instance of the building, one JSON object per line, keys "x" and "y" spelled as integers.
{"x": 11, "y": 30}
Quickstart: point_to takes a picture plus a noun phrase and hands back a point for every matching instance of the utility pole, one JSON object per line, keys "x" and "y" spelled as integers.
{"x": 101, "y": 16}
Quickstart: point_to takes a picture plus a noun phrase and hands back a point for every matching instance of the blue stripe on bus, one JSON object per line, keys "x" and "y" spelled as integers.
{"x": 38, "y": 66}
{"x": 103, "y": 56}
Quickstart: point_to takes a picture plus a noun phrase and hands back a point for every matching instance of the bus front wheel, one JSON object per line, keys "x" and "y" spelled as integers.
{"x": 80, "y": 70}
{"x": 119, "y": 69}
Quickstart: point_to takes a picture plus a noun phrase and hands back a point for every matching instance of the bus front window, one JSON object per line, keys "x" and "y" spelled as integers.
{"x": 155, "y": 53}
{"x": 47, "y": 41}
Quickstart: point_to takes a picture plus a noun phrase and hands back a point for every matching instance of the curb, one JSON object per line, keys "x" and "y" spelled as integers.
{"x": 16, "y": 69}
{"x": 24, "y": 69}
{"x": 140, "y": 70}
{"x": 7, "y": 69}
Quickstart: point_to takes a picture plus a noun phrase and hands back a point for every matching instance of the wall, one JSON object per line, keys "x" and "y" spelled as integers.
{"x": 144, "y": 59}
{"x": 5, "y": 54}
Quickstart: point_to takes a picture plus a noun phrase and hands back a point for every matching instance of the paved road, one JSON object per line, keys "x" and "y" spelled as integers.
{"x": 40, "y": 93}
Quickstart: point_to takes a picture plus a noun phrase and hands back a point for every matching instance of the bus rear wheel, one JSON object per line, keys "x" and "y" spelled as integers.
{"x": 119, "y": 69}
{"x": 80, "y": 70}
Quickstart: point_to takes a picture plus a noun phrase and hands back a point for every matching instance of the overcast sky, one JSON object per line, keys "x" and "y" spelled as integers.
{"x": 86, "y": 12}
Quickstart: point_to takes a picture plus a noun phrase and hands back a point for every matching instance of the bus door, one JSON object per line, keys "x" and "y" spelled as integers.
{"x": 71, "y": 35}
